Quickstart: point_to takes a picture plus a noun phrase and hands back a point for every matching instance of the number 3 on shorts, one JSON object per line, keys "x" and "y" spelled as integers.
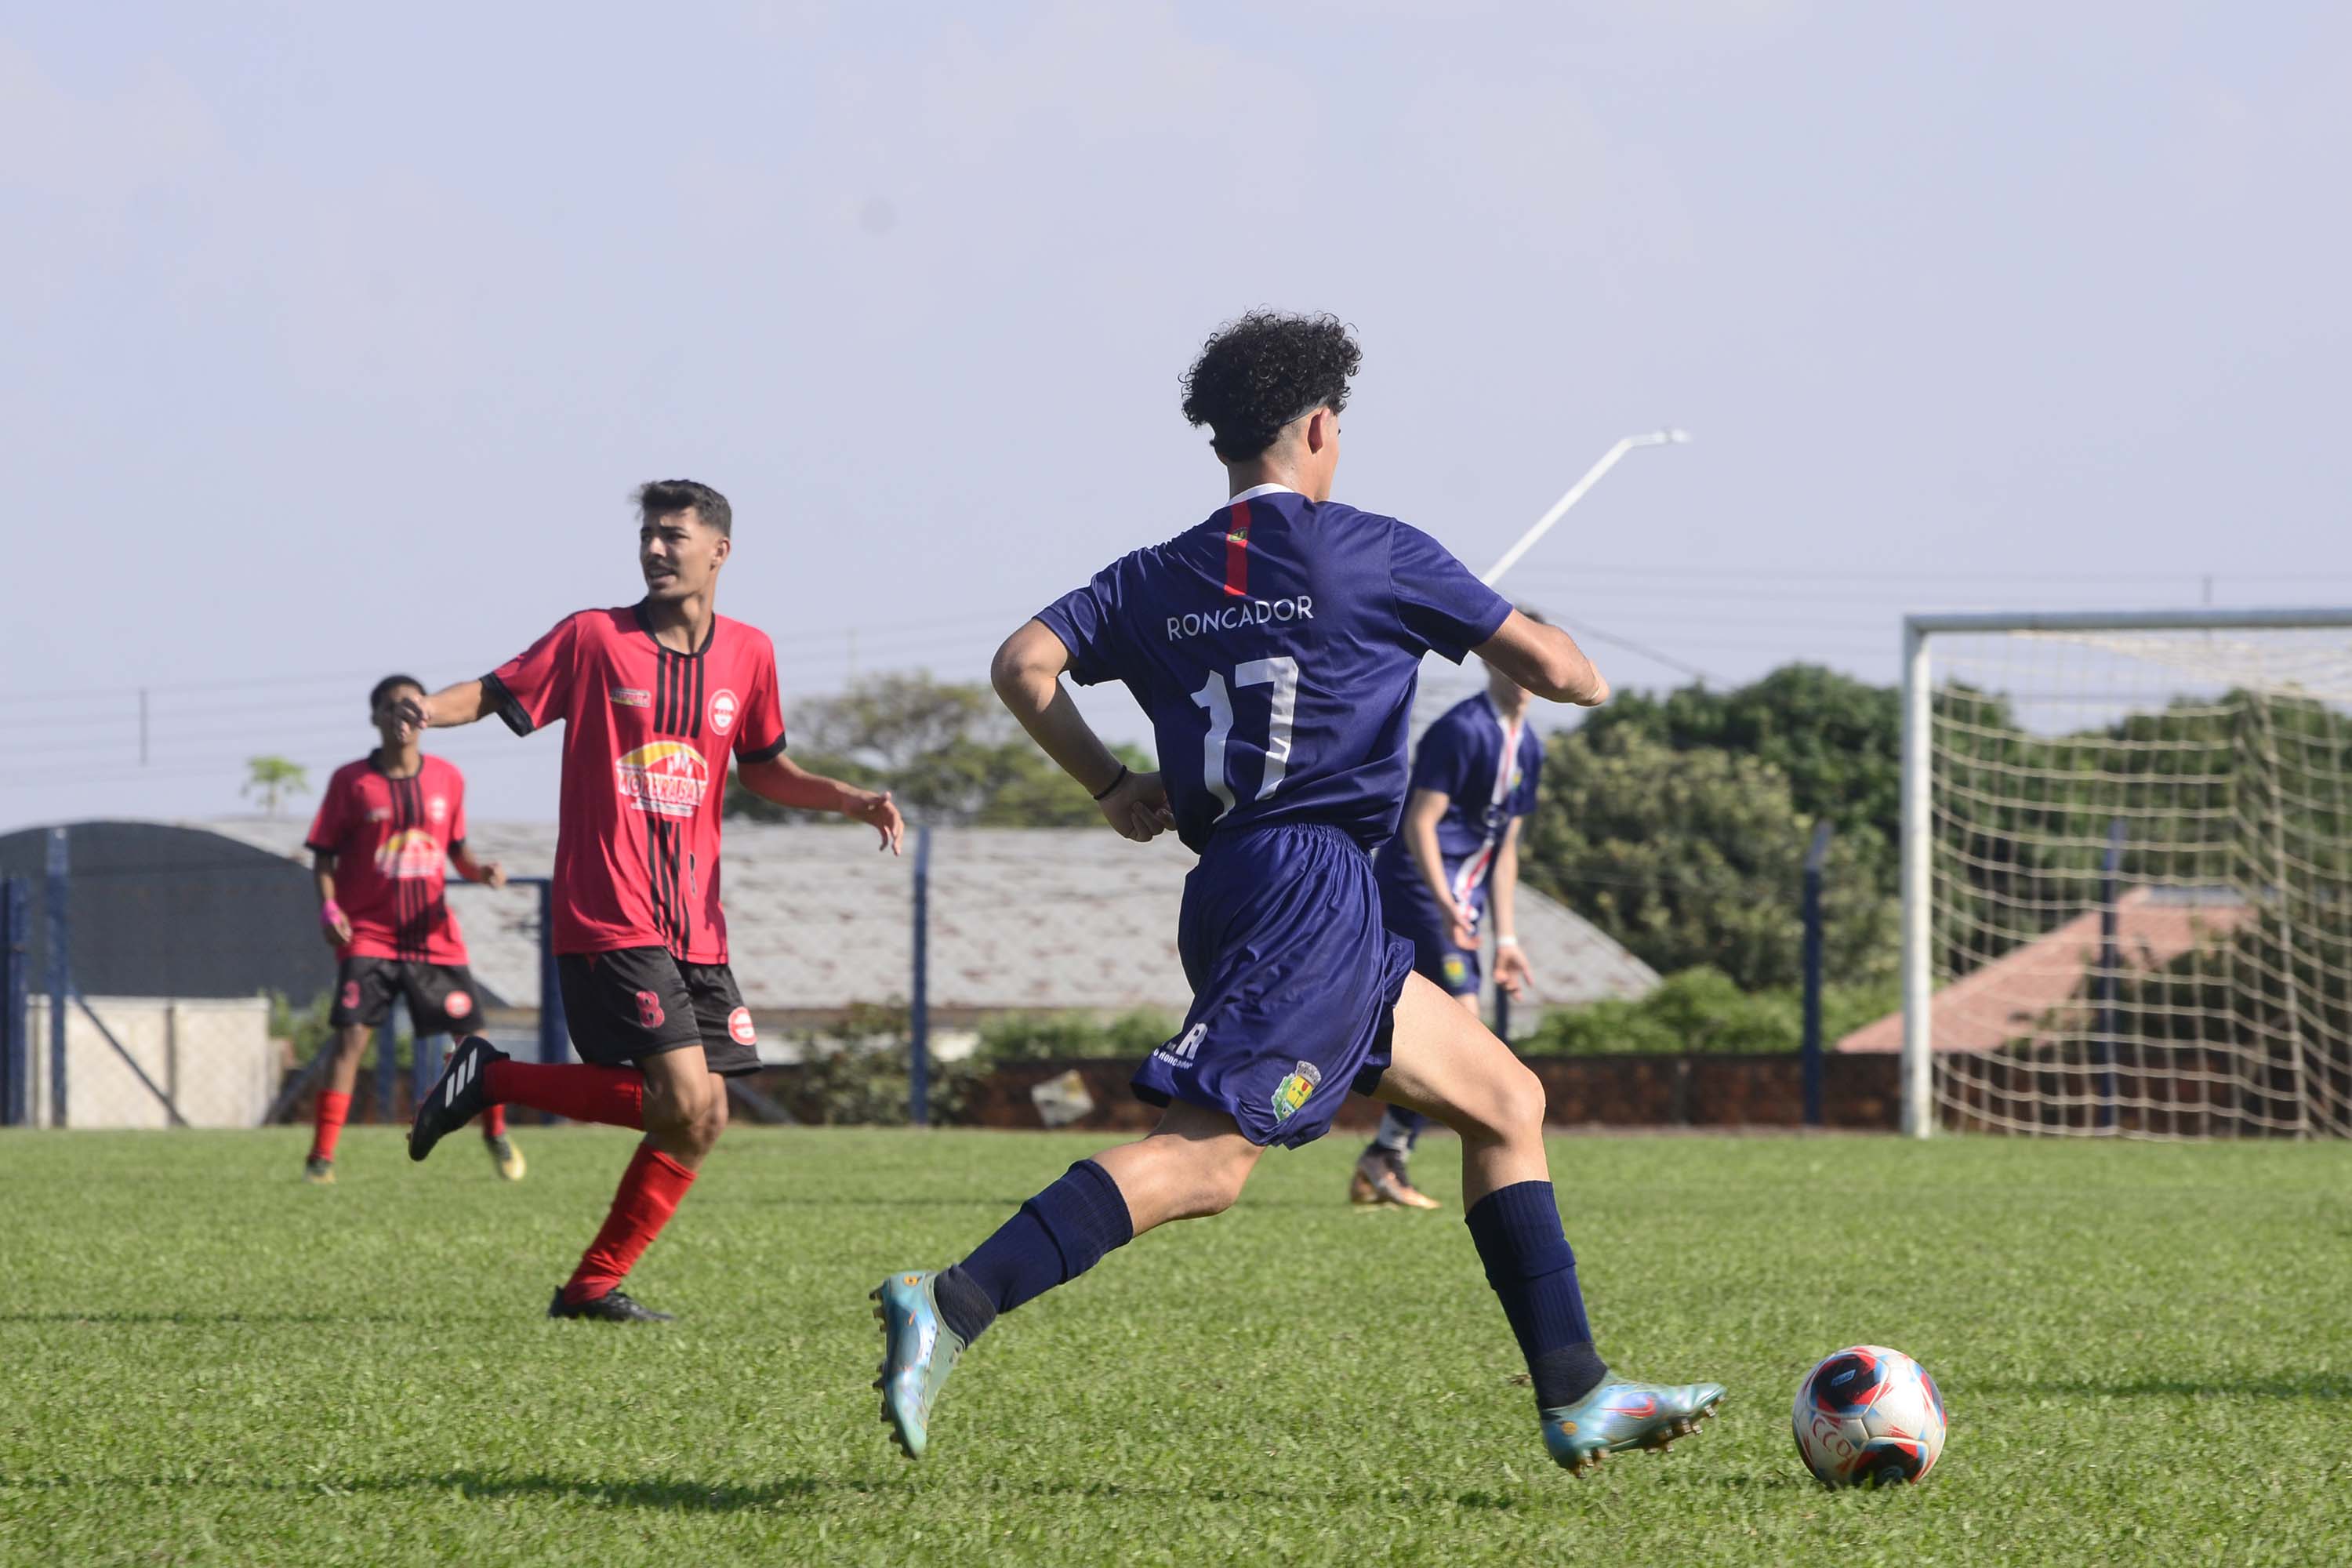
{"x": 1282, "y": 674}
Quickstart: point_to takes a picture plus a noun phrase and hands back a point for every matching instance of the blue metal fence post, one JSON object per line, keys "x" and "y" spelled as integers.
{"x": 15, "y": 953}
{"x": 1815, "y": 858}
{"x": 554, "y": 1033}
{"x": 60, "y": 971}
{"x": 918, "y": 1044}
{"x": 2103, "y": 1046}
{"x": 423, "y": 1065}
{"x": 1502, "y": 1015}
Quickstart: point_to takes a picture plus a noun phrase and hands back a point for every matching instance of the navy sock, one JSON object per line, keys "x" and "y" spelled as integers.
{"x": 1529, "y": 1263}
{"x": 1058, "y": 1236}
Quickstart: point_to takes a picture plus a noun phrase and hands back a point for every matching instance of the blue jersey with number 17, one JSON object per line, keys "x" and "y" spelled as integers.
{"x": 1275, "y": 646}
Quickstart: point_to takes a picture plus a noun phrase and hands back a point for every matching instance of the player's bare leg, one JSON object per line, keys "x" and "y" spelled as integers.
{"x": 1381, "y": 1178}
{"x": 1444, "y": 1063}
{"x": 350, "y": 1044}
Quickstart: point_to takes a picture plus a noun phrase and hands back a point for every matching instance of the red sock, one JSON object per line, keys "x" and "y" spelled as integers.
{"x": 333, "y": 1109}
{"x": 615, "y": 1096}
{"x": 650, "y": 1190}
{"x": 494, "y": 1122}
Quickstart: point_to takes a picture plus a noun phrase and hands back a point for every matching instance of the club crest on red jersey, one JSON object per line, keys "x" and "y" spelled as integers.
{"x": 723, "y": 710}
{"x": 668, "y": 778}
{"x": 408, "y": 853}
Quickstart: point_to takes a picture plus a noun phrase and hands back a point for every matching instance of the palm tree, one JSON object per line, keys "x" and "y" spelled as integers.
{"x": 273, "y": 777}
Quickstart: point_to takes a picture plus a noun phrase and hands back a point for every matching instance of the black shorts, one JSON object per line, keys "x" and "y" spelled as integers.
{"x": 639, "y": 1002}
{"x": 440, "y": 995}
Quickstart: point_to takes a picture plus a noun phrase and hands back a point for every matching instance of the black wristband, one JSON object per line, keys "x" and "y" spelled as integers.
{"x": 1114, "y": 784}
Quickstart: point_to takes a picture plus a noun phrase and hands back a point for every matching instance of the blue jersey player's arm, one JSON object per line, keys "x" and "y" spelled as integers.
{"x": 1027, "y": 675}
{"x": 1545, "y": 660}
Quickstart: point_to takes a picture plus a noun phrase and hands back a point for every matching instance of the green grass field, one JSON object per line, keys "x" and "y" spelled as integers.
{"x": 2147, "y": 1352}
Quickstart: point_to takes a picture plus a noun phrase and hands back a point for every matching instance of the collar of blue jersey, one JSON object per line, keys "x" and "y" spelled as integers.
{"x": 1257, "y": 490}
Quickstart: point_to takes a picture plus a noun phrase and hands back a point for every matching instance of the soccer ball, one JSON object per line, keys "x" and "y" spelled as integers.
{"x": 1869, "y": 1415}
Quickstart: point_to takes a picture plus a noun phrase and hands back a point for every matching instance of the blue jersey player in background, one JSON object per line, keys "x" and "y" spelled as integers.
{"x": 1274, "y": 646}
{"x": 1454, "y": 860}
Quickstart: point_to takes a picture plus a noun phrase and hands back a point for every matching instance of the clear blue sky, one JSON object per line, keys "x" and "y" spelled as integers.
{"x": 336, "y": 336}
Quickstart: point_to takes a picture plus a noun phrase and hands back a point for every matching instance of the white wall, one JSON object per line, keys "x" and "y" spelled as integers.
{"x": 213, "y": 1057}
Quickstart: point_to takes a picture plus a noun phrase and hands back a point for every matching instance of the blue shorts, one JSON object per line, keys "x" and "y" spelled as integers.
{"x": 1454, "y": 970}
{"x": 1295, "y": 983}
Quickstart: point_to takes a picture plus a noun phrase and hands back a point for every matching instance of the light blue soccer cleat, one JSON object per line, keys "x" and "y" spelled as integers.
{"x": 918, "y": 1350}
{"x": 1616, "y": 1417}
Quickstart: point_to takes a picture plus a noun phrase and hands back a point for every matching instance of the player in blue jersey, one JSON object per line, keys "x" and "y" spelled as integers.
{"x": 1454, "y": 859}
{"x": 1274, "y": 647}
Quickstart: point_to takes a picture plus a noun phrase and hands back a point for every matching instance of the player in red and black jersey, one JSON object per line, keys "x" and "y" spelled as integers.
{"x": 655, "y": 699}
{"x": 385, "y": 825}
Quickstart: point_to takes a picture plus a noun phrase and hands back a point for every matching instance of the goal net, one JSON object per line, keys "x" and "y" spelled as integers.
{"x": 2127, "y": 868}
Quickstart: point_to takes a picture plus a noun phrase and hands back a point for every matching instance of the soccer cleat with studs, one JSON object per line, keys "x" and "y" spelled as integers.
{"x": 505, "y": 1157}
{"x": 614, "y": 1306}
{"x": 319, "y": 1172}
{"x": 918, "y": 1350}
{"x": 456, "y": 1098}
{"x": 1617, "y": 1416}
{"x": 1380, "y": 1182}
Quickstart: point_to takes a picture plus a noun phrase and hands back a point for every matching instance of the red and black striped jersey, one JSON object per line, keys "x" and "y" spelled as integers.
{"x": 647, "y": 736}
{"x": 390, "y": 838}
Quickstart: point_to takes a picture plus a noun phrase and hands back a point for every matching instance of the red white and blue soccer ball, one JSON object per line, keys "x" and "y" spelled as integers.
{"x": 1868, "y": 1415}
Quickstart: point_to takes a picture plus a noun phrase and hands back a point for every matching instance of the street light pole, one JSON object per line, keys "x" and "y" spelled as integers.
{"x": 1527, "y": 541}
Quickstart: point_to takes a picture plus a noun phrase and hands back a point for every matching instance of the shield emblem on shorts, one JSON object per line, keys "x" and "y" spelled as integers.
{"x": 1457, "y": 972}
{"x": 1292, "y": 1092}
{"x": 458, "y": 1005}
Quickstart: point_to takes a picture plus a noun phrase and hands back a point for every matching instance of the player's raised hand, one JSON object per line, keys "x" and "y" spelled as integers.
{"x": 881, "y": 814}
{"x": 409, "y": 708}
{"x": 1137, "y": 807}
{"x": 1511, "y": 971}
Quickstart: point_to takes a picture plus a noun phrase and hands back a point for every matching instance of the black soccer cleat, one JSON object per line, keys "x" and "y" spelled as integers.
{"x": 456, "y": 1098}
{"x": 614, "y": 1306}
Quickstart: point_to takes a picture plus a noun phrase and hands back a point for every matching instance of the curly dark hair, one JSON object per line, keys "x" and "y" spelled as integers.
{"x": 1256, "y": 374}
{"x": 660, "y": 498}
{"x": 387, "y": 686}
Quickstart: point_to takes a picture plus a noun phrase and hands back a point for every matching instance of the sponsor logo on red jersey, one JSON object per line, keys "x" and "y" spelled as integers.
{"x": 409, "y": 852}
{"x": 666, "y": 777}
{"x": 629, "y": 696}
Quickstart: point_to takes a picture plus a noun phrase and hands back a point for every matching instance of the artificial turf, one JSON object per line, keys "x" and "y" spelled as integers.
{"x": 2147, "y": 1352}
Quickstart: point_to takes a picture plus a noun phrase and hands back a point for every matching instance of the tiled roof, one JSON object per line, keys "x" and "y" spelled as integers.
{"x": 1022, "y": 919}
{"x": 2008, "y": 998}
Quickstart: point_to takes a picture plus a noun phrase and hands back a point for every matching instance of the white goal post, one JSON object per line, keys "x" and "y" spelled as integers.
{"x": 2126, "y": 873}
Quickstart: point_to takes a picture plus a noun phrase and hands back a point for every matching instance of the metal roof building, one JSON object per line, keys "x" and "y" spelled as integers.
{"x": 1029, "y": 919}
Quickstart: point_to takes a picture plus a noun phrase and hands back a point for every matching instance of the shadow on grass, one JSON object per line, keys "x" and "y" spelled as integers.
{"x": 2170, "y": 1387}
{"x": 783, "y": 1494}
{"x": 212, "y": 1319}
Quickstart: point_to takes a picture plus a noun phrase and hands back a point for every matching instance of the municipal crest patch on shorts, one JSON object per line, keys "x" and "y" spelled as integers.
{"x": 1457, "y": 972}
{"x": 1292, "y": 1092}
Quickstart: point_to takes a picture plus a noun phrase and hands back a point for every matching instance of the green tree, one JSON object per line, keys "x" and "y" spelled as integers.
{"x": 1837, "y": 739}
{"x": 1696, "y": 857}
{"x": 949, "y": 753}
{"x": 270, "y": 779}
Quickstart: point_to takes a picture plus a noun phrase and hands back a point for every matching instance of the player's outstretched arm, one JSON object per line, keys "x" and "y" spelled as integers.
{"x": 1511, "y": 970}
{"x": 787, "y": 783}
{"x": 1027, "y": 675}
{"x": 464, "y": 703}
{"x": 1545, "y": 660}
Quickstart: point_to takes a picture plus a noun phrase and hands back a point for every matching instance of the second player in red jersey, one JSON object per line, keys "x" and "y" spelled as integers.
{"x": 385, "y": 826}
{"x": 655, "y": 699}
